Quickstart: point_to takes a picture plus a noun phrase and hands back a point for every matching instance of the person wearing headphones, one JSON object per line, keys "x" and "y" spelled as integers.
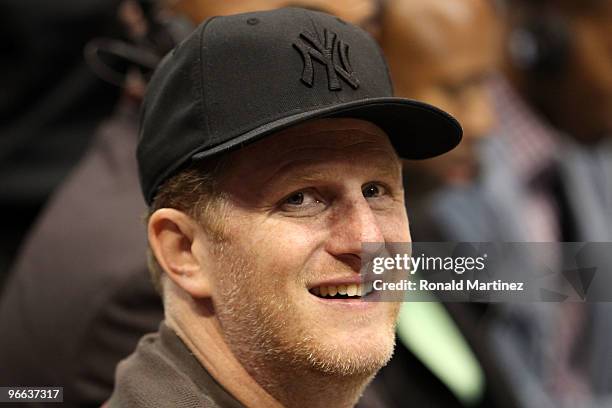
{"x": 444, "y": 52}
{"x": 545, "y": 179}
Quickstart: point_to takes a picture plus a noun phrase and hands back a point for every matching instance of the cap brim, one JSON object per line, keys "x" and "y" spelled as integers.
{"x": 416, "y": 130}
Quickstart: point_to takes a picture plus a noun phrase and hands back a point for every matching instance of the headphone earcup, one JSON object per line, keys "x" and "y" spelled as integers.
{"x": 166, "y": 33}
{"x": 165, "y": 30}
{"x": 540, "y": 46}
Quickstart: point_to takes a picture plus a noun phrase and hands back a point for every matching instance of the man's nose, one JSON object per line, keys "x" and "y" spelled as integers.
{"x": 354, "y": 224}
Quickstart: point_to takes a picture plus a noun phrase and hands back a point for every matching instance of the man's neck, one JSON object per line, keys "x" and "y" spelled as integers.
{"x": 318, "y": 390}
{"x": 198, "y": 327}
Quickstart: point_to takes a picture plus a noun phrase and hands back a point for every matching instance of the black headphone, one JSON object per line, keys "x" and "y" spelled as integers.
{"x": 111, "y": 58}
{"x": 541, "y": 44}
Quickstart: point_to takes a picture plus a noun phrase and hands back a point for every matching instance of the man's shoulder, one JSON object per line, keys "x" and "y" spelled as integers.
{"x": 152, "y": 377}
{"x": 162, "y": 372}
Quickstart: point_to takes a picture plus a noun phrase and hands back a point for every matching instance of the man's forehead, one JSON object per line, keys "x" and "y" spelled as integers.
{"x": 328, "y": 124}
{"x": 319, "y": 135}
{"x": 314, "y": 141}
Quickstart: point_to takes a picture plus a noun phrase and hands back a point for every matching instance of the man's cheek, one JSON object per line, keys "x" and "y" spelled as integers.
{"x": 394, "y": 227}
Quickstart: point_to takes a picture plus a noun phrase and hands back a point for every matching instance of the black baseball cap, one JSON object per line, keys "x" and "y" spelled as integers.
{"x": 242, "y": 77}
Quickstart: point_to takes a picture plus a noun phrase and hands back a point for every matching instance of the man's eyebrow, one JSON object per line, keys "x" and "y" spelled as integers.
{"x": 286, "y": 173}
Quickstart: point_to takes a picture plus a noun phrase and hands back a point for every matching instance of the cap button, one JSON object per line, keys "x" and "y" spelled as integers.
{"x": 252, "y": 21}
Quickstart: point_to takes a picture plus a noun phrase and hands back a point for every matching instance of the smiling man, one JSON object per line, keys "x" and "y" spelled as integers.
{"x": 269, "y": 153}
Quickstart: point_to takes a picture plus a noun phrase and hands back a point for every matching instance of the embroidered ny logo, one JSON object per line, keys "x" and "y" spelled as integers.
{"x": 310, "y": 47}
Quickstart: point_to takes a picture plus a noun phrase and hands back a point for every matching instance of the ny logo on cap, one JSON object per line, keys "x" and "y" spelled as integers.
{"x": 327, "y": 53}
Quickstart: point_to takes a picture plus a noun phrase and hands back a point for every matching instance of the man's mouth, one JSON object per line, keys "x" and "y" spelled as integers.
{"x": 343, "y": 291}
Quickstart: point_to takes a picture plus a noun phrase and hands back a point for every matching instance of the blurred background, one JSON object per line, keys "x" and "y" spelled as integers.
{"x": 529, "y": 80}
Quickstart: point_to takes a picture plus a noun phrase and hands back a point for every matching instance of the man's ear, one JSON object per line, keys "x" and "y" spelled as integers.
{"x": 173, "y": 237}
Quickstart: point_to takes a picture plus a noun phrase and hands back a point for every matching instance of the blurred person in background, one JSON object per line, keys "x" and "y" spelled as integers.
{"x": 559, "y": 51}
{"x": 443, "y": 52}
{"x": 555, "y": 124}
{"x": 545, "y": 178}
{"x": 50, "y": 103}
{"x": 80, "y": 296}
{"x": 556, "y": 72}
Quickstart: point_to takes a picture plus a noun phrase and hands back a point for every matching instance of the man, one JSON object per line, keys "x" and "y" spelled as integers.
{"x": 554, "y": 111}
{"x": 68, "y": 328}
{"x": 548, "y": 168}
{"x": 268, "y": 156}
{"x": 442, "y": 52}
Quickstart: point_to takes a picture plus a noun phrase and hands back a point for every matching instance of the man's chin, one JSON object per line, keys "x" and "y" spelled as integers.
{"x": 352, "y": 354}
{"x": 350, "y": 342}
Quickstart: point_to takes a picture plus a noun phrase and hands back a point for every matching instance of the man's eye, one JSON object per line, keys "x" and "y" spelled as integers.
{"x": 301, "y": 201}
{"x": 372, "y": 190}
{"x": 295, "y": 199}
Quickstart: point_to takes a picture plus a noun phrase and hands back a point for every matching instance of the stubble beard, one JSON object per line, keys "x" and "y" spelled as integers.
{"x": 263, "y": 329}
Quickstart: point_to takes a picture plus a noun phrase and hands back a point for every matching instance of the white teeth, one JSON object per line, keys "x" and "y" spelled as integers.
{"x": 353, "y": 289}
